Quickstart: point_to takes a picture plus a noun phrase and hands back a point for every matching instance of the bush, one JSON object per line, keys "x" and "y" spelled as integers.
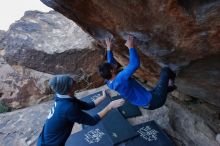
{"x": 3, "y": 108}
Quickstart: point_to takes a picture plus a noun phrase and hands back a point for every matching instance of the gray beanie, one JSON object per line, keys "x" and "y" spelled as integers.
{"x": 61, "y": 84}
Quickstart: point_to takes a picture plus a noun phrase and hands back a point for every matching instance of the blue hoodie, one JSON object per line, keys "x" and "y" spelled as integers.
{"x": 65, "y": 112}
{"x": 126, "y": 86}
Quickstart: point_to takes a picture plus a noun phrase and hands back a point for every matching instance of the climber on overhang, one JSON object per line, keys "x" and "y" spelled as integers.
{"x": 128, "y": 87}
{"x": 67, "y": 110}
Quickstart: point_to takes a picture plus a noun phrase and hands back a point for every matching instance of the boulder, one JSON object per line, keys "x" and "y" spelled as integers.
{"x": 182, "y": 34}
{"x": 2, "y": 34}
{"x": 22, "y": 87}
{"x": 51, "y": 43}
{"x": 38, "y": 46}
{"x": 189, "y": 125}
{"x": 22, "y": 127}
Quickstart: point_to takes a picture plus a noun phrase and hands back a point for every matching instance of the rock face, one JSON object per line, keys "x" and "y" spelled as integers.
{"x": 21, "y": 87}
{"x": 183, "y": 34}
{"x": 190, "y": 128}
{"x": 39, "y": 45}
{"x": 2, "y": 34}
{"x": 22, "y": 127}
{"x": 51, "y": 43}
{"x": 184, "y": 127}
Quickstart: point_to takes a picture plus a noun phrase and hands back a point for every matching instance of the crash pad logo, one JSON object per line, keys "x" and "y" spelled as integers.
{"x": 94, "y": 136}
{"x": 93, "y": 98}
{"x": 148, "y": 133}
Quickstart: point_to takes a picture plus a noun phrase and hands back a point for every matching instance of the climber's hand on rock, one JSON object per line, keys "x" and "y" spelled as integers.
{"x": 108, "y": 43}
{"x": 130, "y": 42}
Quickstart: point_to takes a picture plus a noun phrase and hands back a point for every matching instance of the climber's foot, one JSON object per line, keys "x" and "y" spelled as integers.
{"x": 171, "y": 88}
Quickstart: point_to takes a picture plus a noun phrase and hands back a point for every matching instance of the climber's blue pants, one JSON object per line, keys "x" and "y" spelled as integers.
{"x": 159, "y": 93}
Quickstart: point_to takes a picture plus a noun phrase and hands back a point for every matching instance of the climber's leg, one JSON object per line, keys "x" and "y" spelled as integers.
{"x": 159, "y": 93}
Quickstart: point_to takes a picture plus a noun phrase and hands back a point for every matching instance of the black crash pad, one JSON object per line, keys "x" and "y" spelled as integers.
{"x": 128, "y": 110}
{"x": 150, "y": 134}
{"x": 97, "y": 109}
{"x": 114, "y": 123}
{"x": 92, "y": 97}
{"x": 91, "y": 136}
{"x": 118, "y": 129}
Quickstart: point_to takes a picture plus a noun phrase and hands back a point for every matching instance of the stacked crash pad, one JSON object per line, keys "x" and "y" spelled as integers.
{"x": 114, "y": 129}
